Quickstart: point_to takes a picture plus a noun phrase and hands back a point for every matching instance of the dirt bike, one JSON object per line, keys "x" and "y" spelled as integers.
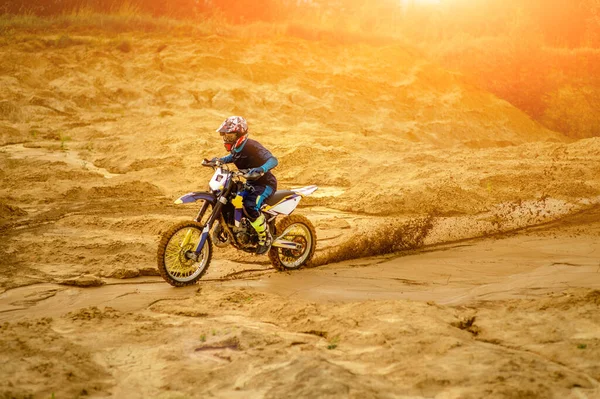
{"x": 185, "y": 250}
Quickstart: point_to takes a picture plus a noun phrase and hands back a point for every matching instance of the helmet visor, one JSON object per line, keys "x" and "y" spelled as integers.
{"x": 229, "y": 137}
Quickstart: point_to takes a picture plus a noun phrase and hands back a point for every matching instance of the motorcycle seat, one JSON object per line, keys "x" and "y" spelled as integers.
{"x": 278, "y": 196}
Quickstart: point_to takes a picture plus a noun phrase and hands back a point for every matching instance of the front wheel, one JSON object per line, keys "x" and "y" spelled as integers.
{"x": 299, "y": 230}
{"x": 178, "y": 264}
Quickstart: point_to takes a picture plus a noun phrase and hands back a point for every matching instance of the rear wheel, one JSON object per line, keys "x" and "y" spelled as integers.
{"x": 178, "y": 264}
{"x": 301, "y": 231}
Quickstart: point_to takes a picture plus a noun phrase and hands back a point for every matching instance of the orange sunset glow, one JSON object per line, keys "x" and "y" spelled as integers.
{"x": 299, "y": 199}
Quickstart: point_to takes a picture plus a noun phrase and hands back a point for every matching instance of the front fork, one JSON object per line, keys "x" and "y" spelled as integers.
{"x": 213, "y": 216}
{"x": 201, "y": 212}
{"x": 188, "y": 235}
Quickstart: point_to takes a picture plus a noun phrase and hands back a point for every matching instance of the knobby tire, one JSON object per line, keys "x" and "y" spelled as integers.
{"x": 282, "y": 225}
{"x": 162, "y": 246}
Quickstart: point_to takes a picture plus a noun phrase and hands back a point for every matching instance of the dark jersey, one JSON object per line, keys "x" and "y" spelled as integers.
{"x": 253, "y": 155}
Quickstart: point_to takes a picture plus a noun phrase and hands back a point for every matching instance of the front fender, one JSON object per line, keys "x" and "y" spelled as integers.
{"x": 196, "y": 196}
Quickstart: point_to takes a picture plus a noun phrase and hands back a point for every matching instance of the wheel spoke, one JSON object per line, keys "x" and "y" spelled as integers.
{"x": 177, "y": 265}
{"x": 299, "y": 234}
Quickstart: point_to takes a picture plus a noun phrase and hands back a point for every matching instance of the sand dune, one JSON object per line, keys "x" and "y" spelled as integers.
{"x": 97, "y": 141}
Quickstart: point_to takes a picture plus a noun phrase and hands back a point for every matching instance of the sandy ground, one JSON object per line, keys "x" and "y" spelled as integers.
{"x": 492, "y": 289}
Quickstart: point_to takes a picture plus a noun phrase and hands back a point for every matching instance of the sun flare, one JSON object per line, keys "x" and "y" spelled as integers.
{"x": 408, "y": 3}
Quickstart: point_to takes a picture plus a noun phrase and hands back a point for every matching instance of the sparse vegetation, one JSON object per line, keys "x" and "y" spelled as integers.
{"x": 573, "y": 110}
{"x": 333, "y": 343}
{"x": 63, "y": 141}
{"x": 83, "y": 21}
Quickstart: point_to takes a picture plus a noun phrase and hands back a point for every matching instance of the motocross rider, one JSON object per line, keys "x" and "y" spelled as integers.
{"x": 247, "y": 153}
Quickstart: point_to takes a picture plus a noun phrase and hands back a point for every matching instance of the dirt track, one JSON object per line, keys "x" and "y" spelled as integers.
{"x": 529, "y": 264}
{"x": 96, "y": 144}
{"x": 261, "y": 333}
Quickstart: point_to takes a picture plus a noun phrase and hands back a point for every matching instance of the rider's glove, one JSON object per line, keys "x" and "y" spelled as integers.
{"x": 210, "y": 162}
{"x": 255, "y": 173}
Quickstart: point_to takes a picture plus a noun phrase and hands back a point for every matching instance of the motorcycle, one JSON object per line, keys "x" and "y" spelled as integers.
{"x": 185, "y": 250}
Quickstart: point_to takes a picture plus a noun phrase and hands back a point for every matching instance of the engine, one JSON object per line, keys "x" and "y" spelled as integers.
{"x": 245, "y": 235}
{"x": 243, "y": 238}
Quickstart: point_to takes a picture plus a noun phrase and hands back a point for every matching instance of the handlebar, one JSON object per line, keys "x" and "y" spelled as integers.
{"x": 211, "y": 162}
{"x": 245, "y": 173}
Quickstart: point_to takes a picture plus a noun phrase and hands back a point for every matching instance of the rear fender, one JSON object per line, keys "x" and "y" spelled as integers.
{"x": 305, "y": 191}
{"x": 196, "y": 196}
{"x": 285, "y": 206}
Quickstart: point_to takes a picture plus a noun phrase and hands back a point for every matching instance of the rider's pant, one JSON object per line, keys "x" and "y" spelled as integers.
{"x": 253, "y": 200}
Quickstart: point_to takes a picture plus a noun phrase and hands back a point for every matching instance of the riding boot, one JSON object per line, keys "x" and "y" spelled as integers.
{"x": 264, "y": 237}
